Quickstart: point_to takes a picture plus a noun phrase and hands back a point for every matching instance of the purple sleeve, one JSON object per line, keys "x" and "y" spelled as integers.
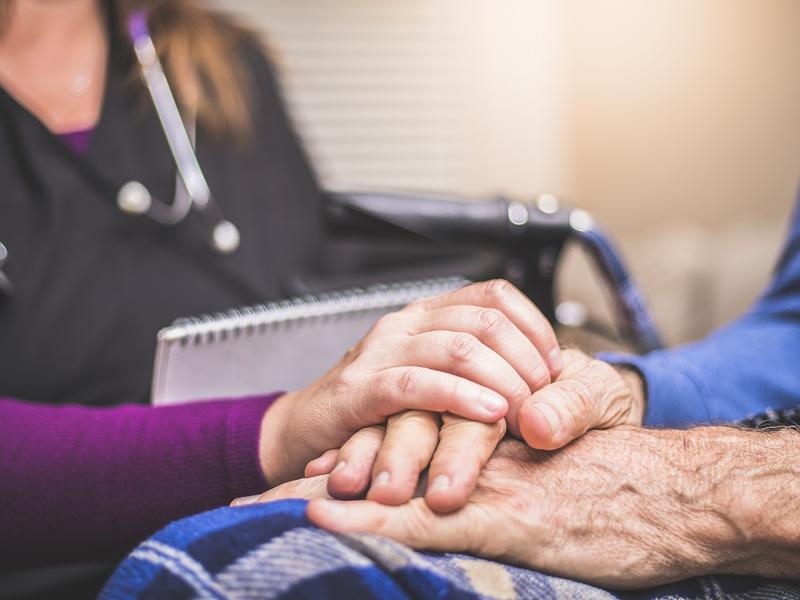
{"x": 79, "y": 484}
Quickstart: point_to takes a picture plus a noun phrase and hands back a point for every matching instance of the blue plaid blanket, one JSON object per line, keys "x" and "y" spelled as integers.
{"x": 272, "y": 551}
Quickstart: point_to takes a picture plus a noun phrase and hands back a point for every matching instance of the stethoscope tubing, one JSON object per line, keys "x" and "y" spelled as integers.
{"x": 6, "y": 286}
{"x": 175, "y": 132}
{"x": 191, "y": 188}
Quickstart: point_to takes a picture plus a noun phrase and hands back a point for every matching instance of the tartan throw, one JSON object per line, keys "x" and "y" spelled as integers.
{"x": 271, "y": 551}
{"x": 769, "y": 419}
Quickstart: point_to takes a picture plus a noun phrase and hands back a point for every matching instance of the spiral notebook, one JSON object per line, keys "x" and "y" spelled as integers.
{"x": 283, "y": 345}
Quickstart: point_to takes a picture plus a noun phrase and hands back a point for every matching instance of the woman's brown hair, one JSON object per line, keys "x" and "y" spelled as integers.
{"x": 199, "y": 51}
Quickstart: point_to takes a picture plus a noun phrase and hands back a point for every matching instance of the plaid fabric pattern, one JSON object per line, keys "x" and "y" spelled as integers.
{"x": 770, "y": 418}
{"x": 271, "y": 551}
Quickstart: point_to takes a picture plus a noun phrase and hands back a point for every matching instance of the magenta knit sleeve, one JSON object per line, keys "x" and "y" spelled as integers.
{"x": 80, "y": 483}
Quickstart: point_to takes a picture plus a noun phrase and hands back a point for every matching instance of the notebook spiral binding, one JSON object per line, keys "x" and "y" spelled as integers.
{"x": 303, "y": 310}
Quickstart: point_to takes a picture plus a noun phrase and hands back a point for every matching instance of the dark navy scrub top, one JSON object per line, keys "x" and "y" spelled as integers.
{"x": 93, "y": 285}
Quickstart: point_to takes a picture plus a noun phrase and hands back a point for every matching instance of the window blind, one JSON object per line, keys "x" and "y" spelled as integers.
{"x": 379, "y": 91}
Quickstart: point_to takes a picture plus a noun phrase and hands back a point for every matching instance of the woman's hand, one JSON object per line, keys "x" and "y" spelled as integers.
{"x": 477, "y": 352}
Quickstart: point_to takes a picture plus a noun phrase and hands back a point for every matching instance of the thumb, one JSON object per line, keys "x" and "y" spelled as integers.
{"x": 594, "y": 397}
{"x": 413, "y": 523}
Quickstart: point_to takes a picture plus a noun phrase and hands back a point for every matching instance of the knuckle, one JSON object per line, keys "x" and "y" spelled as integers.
{"x": 388, "y": 321}
{"x": 540, "y": 374}
{"x": 314, "y": 487}
{"x": 579, "y": 402}
{"x": 373, "y": 433}
{"x": 542, "y": 330}
{"x": 417, "y": 306}
{"x": 362, "y": 441}
{"x": 456, "y": 388}
{"x": 492, "y": 322}
{"x": 610, "y": 389}
{"x": 345, "y": 485}
{"x": 345, "y": 382}
{"x": 602, "y": 371}
{"x": 416, "y": 420}
{"x": 498, "y": 290}
{"x": 520, "y": 392}
{"x": 416, "y": 519}
{"x": 348, "y": 378}
{"x": 462, "y": 347}
{"x": 408, "y": 381}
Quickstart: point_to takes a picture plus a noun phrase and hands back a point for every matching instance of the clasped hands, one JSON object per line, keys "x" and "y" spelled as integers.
{"x": 438, "y": 386}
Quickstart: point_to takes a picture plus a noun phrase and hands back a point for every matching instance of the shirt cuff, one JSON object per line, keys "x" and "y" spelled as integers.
{"x": 672, "y": 388}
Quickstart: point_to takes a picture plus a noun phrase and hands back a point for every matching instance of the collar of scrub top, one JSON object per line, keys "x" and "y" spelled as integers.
{"x": 191, "y": 187}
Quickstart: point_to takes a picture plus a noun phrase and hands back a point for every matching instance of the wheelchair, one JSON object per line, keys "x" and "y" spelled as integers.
{"x": 402, "y": 235}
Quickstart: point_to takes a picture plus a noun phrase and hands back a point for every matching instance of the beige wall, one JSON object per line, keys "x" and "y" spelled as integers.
{"x": 676, "y": 121}
{"x": 685, "y": 127}
{"x": 685, "y": 107}
{"x": 639, "y": 110}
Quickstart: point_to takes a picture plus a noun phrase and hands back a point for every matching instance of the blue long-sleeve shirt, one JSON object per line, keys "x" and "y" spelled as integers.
{"x": 744, "y": 368}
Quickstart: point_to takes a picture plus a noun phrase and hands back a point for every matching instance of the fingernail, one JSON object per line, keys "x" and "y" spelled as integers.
{"x": 491, "y": 402}
{"x": 551, "y": 416}
{"x": 555, "y": 360}
{"x": 245, "y": 500}
{"x": 442, "y": 482}
{"x": 339, "y": 467}
{"x": 382, "y": 478}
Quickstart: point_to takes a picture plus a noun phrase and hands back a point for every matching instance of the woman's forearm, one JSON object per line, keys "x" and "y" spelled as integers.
{"x": 87, "y": 483}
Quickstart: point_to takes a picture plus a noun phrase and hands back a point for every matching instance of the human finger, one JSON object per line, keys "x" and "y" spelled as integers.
{"x": 464, "y": 448}
{"x": 591, "y": 396}
{"x": 308, "y": 488}
{"x": 411, "y": 438}
{"x": 413, "y": 523}
{"x": 502, "y": 295}
{"x": 351, "y": 475}
{"x": 495, "y": 330}
{"x": 418, "y": 388}
{"x": 466, "y": 356}
{"x": 322, "y": 465}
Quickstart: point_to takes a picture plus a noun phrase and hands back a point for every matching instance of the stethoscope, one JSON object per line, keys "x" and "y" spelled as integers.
{"x": 191, "y": 187}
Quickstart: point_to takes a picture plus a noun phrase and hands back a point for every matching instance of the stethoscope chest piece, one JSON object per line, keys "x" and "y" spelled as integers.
{"x": 134, "y": 199}
{"x": 191, "y": 187}
{"x": 226, "y": 237}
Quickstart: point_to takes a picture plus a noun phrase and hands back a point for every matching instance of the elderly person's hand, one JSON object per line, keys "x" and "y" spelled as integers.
{"x": 477, "y": 352}
{"x": 588, "y": 394}
{"x": 626, "y": 508}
